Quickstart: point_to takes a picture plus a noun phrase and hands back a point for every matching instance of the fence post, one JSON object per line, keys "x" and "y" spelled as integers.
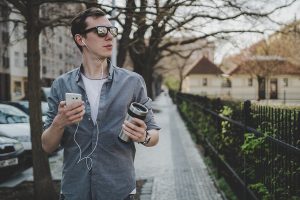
{"x": 216, "y": 108}
{"x": 247, "y": 121}
{"x": 247, "y": 112}
{"x": 284, "y": 97}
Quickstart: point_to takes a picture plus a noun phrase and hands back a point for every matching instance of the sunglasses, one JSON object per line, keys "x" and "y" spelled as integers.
{"x": 102, "y": 31}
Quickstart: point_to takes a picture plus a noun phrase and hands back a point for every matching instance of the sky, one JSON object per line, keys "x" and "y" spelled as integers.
{"x": 225, "y": 48}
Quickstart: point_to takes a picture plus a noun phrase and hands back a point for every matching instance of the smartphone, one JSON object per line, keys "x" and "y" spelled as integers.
{"x": 72, "y": 97}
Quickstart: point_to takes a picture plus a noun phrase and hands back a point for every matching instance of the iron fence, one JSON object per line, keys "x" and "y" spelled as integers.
{"x": 255, "y": 147}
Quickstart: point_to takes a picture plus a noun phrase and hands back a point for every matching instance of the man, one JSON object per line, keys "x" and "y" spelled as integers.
{"x": 97, "y": 165}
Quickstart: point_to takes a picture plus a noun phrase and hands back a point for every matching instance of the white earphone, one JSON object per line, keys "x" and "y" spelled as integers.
{"x": 84, "y": 43}
{"x": 95, "y": 56}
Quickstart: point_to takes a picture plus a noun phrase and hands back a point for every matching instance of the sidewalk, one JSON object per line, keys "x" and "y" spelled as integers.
{"x": 174, "y": 170}
{"x": 174, "y": 165}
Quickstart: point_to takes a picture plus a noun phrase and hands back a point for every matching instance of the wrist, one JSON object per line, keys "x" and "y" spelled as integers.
{"x": 57, "y": 123}
{"x": 147, "y": 138}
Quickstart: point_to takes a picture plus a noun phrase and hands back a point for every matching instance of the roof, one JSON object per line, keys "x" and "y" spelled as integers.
{"x": 204, "y": 66}
{"x": 268, "y": 66}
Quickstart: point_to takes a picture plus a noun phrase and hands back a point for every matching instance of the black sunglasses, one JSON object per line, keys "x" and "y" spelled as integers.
{"x": 103, "y": 30}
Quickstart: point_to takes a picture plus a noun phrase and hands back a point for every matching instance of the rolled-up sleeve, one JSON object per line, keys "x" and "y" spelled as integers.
{"x": 53, "y": 101}
{"x": 142, "y": 98}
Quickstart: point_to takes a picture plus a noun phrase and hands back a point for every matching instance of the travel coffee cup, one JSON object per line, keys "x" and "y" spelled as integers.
{"x": 135, "y": 110}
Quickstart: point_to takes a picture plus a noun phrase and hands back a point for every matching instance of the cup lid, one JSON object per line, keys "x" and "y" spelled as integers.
{"x": 138, "y": 109}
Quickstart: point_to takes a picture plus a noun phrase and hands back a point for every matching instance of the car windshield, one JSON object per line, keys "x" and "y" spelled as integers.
{"x": 24, "y": 103}
{"x": 11, "y": 115}
{"x": 44, "y": 108}
{"x": 46, "y": 91}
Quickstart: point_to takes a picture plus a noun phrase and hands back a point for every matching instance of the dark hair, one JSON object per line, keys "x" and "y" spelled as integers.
{"x": 78, "y": 24}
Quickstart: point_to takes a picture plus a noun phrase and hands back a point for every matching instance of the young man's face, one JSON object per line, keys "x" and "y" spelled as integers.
{"x": 102, "y": 46}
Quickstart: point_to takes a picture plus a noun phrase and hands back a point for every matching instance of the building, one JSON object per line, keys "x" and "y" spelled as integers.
{"x": 13, "y": 66}
{"x": 265, "y": 77}
{"x": 57, "y": 49}
{"x": 268, "y": 69}
{"x": 204, "y": 78}
{"x": 255, "y": 78}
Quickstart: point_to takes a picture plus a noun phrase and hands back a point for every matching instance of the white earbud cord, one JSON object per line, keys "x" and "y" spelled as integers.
{"x": 100, "y": 60}
{"x": 80, "y": 151}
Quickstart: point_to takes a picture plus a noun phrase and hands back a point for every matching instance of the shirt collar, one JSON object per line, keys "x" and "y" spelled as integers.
{"x": 110, "y": 71}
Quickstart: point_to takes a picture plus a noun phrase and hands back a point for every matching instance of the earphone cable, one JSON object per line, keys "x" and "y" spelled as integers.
{"x": 86, "y": 158}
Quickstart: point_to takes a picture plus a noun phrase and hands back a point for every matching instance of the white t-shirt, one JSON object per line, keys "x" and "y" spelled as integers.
{"x": 93, "y": 90}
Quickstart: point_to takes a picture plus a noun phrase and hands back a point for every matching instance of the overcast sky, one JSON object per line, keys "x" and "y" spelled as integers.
{"x": 241, "y": 41}
{"x": 285, "y": 15}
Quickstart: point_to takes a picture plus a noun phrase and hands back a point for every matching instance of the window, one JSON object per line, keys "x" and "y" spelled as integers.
{"x": 17, "y": 31}
{"x": 17, "y": 59}
{"x": 250, "y": 82}
{"x": 285, "y": 82}
{"x": 25, "y": 59}
{"x": 204, "y": 82}
{"x": 226, "y": 83}
{"x": 4, "y": 11}
{"x": 5, "y": 37}
{"x": 17, "y": 88}
{"x": 25, "y": 30}
{"x": 44, "y": 69}
{"x": 60, "y": 56}
{"x": 5, "y": 61}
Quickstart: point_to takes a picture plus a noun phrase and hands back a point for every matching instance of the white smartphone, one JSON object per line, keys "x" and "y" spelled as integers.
{"x": 72, "y": 97}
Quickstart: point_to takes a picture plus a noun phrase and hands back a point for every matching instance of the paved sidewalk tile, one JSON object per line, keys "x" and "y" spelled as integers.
{"x": 177, "y": 169}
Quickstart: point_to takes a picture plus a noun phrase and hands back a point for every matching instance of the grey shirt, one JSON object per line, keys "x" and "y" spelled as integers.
{"x": 112, "y": 175}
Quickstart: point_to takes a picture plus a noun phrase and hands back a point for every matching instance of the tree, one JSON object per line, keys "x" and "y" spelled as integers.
{"x": 148, "y": 24}
{"x": 145, "y": 26}
{"x": 286, "y": 42}
{"x": 35, "y": 23}
{"x": 176, "y": 62}
{"x": 274, "y": 56}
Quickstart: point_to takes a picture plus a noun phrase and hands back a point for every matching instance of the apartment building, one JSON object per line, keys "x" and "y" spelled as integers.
{"x": 57, "y": 49}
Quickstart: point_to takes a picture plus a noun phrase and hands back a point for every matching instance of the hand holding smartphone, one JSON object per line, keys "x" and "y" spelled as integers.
{"x": 72, "y": 97}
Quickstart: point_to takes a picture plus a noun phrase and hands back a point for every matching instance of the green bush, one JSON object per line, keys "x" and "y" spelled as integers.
{"x": 250, "y": 155}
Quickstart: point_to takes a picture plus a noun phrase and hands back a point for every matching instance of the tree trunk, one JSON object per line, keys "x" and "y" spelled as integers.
{"x": 146, "y": 71}
{"x": 125, "y": 40}
{"x": 181, "y": 77}
{"x": 180, "y": 84}
{"x": 43, "y": 185}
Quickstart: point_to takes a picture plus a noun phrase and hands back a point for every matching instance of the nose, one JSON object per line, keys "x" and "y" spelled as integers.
{"x": 109, "y": 36}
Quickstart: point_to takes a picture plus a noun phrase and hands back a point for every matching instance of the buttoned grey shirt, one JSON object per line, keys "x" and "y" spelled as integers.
{"x": 112, "y": 175}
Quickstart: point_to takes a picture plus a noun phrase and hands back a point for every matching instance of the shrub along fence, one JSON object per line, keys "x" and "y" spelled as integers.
{"x": 256, "y": 148}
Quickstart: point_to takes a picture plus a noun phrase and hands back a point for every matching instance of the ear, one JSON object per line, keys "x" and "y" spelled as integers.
{"x": 78, "y": 40}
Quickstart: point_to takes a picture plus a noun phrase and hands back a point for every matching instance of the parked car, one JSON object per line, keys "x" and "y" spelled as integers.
{"x": 24, "y": 106}
{"x": 11, "y": 156}
{"x": 45, "y": 93}
{"x": 14, "y": 123}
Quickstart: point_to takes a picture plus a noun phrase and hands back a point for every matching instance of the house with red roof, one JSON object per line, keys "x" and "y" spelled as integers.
{"x": 204, "y": 78}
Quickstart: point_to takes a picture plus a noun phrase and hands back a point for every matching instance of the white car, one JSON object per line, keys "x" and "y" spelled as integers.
{"x": 24, "y": 106}
{"x": 11, "y": 156}
{"x": 14, "y": 123}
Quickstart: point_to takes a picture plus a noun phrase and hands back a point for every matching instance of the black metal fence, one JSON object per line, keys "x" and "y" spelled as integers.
{"x": 256, "y": 148}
